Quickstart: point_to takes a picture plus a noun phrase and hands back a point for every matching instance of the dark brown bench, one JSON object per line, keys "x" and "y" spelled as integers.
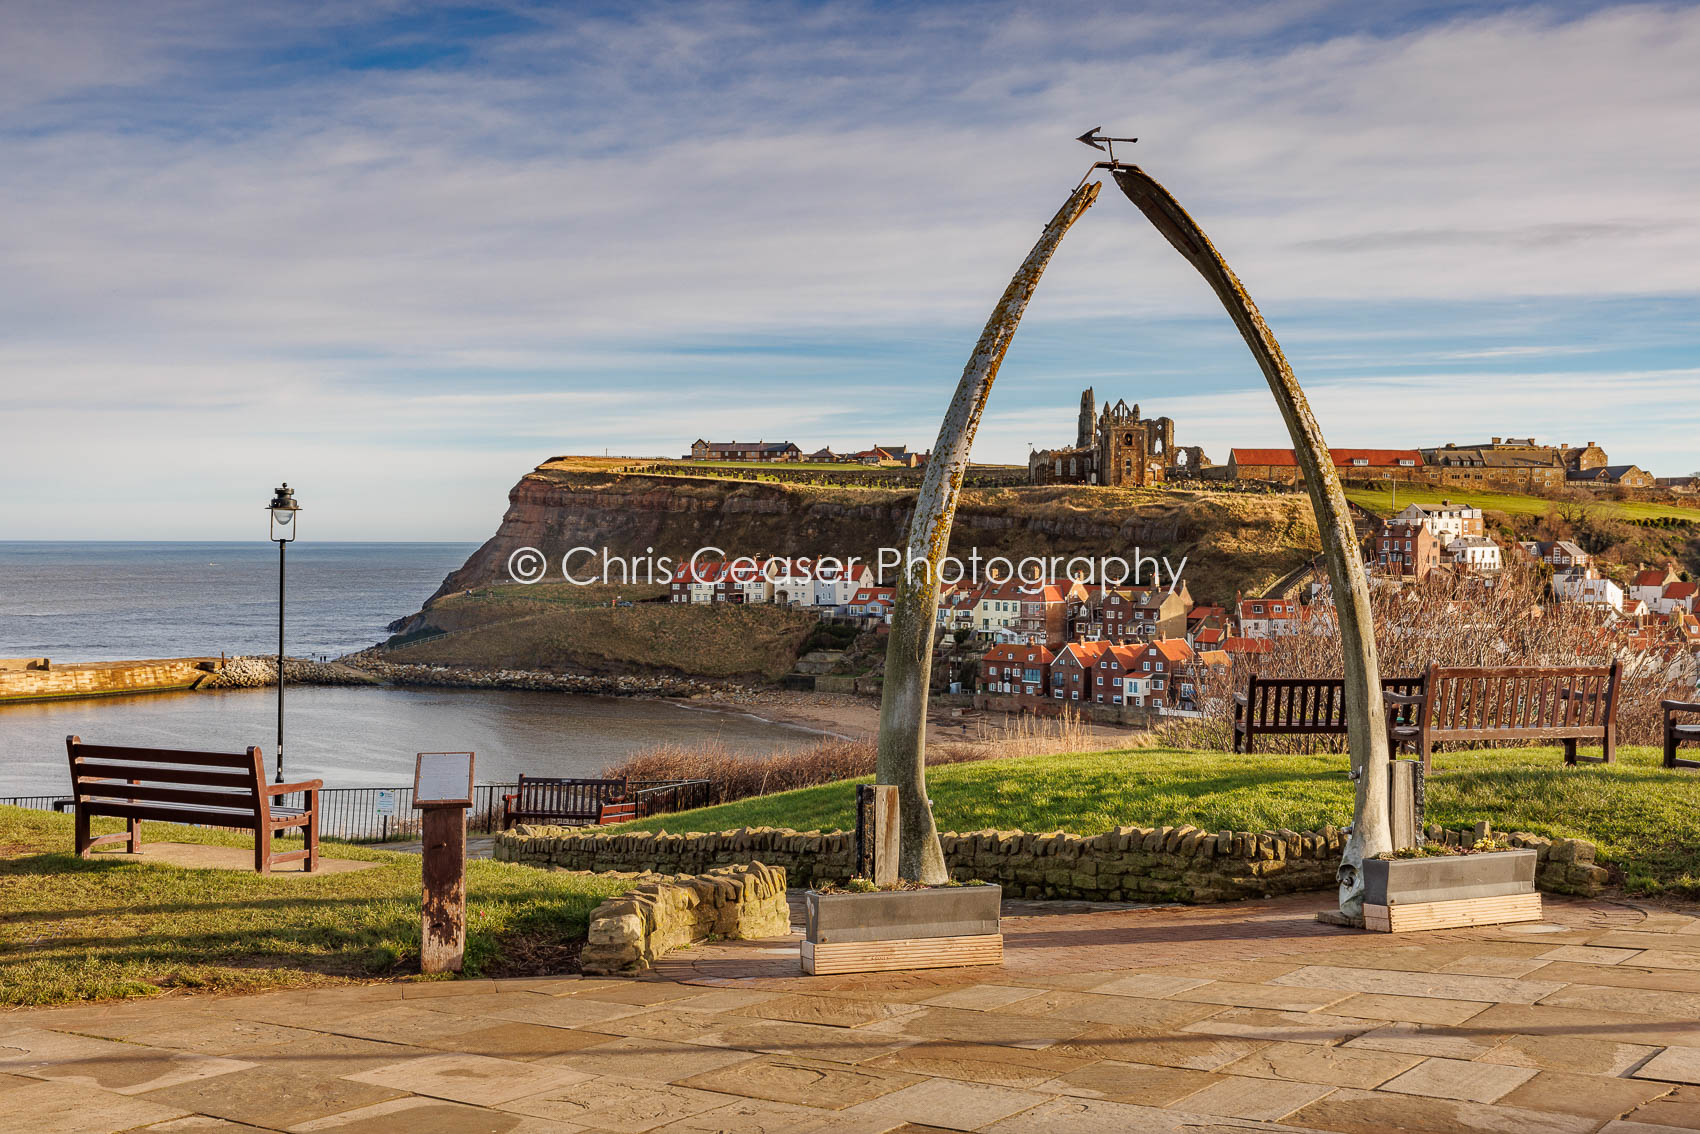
{"x": 213, "y": 789}
{"x": 1679, "y": 732}
{"x": 568, "y": 802}
{"x": 1299, "y": 706}
{"x": 1569, "y": 704}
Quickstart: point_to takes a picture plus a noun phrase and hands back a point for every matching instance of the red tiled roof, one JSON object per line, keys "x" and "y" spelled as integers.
{"x": 1284, "y": 458}
{"x": 1175, "y": 649}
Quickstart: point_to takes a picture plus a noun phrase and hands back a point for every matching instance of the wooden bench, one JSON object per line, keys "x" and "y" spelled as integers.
{"x": 1527, "y": 704}
{"x": 214, "y": 789}
{"x": 1299, "y": 706}
{"x": 552, "y": 799}
{"x": 1679, "y": 732}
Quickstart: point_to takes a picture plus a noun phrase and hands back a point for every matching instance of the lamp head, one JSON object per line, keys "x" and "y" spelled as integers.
{"x": 283, "y": 508}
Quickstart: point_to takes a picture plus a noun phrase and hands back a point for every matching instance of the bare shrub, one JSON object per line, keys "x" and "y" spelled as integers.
{"x": 738, "y": 775}
{"x": 1452, "y": 621}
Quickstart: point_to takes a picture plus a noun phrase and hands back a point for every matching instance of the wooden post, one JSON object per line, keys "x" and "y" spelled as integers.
{"x": 442, "y": 790}
{"x": 442, "y": 921}
{"x": 878, "y": 833}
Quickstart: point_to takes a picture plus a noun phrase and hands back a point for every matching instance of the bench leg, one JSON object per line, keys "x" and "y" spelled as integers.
{"x": 1670, "y": 745}
{"x": 135, "y": 844}
{"x": 311, "y": 833}
{"x": 263, "y": 849}
{"x": 1427, "y": 749}
{"x": 1611, "y": 744}
{"x": 82, "y": 835}
{"x": 1570, "y": 752}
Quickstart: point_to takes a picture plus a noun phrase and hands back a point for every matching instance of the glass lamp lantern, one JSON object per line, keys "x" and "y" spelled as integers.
{"x": 283, "y": 508}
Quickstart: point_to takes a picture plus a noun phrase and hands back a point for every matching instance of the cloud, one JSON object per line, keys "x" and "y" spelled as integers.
{"x": 332, "y": 214}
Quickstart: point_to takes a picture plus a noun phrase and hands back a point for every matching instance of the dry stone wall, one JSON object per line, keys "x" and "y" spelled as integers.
{"x": 629, "y": 932}
{"x": 1177, "y": 864}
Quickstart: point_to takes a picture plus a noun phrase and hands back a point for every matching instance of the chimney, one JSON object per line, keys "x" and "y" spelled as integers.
{"x": 1496, "y": 440}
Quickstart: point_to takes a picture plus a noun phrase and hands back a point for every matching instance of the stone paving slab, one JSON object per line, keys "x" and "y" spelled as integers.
{"x": 1230, "y": 1018}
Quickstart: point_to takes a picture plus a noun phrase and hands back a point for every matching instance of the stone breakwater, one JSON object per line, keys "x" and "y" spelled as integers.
{"x": 366, "y": 669}
{"x": 1173, "y": 864}
{"x": 255, "y": 672}
{"x": 618, "y": 685}
{"x": 628, "y": 933}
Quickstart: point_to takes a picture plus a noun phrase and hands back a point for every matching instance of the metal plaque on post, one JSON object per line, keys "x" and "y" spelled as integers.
{"x": 442, "y": 779}
{"x": 442, "y": 790}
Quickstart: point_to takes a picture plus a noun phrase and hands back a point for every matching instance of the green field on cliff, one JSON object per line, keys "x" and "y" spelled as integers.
{"x": 1383, "y": 502}
{"x": 1644, "y": 818}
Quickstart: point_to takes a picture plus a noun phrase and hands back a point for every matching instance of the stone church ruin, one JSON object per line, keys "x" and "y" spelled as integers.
{"x": 1118, "y": 448}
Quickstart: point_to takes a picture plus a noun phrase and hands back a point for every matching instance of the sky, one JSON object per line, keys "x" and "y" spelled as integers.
{"x": 399, "y": 253}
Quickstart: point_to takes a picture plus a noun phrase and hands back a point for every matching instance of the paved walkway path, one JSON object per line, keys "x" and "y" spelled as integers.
{"x": 1220, "y": 1018}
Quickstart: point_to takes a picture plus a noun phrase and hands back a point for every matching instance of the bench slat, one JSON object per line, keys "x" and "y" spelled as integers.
{"x": 201, "y": 776}
{"x": 166, "y": 813}
{"x": 108, "y": 789}
{"x": 163, "y": 756}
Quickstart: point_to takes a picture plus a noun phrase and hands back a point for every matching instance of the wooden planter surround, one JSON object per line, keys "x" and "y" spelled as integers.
{"x": 893, "y": 930}
{"x": 1451, "y": 891}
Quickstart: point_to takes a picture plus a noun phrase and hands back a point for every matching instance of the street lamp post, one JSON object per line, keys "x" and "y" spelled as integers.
{"x": 283, "y": 528}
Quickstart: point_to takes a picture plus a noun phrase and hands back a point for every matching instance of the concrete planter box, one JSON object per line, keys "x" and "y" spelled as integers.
{"x": 1450, "y": 891}
{"x": 902, "y": 929}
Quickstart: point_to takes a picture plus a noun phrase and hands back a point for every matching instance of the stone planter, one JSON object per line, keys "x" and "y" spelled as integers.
{"x": 1450, "y": 891}
{"x": 937, "y": 928}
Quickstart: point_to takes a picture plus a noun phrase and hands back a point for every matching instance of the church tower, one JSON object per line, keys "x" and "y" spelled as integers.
{"x": 1083, "y": 435}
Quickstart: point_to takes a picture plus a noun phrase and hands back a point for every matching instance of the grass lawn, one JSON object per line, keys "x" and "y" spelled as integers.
{"x": 1645, "y": 820}
{"x": 81, "y": 930}
{"x": 1380, "y": 501}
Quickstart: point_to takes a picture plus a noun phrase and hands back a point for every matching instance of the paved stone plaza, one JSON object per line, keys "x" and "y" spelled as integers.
{"x": 1236, "y": 1017}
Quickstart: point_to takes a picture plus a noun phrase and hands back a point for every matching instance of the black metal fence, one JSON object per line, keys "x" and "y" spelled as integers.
{"x": 372, "y": 814}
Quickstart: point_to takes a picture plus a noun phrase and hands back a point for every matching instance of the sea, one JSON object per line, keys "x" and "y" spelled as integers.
{"x": 77, "y": 601}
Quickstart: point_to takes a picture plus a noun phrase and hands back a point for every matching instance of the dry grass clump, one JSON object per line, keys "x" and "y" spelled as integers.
{"x": 736, "y": 775}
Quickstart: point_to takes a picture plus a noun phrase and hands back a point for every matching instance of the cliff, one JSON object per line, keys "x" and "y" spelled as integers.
{"x": 1232, "y": 540}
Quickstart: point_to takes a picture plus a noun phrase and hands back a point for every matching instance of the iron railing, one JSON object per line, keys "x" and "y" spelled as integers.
{"x": 374, "y": 814}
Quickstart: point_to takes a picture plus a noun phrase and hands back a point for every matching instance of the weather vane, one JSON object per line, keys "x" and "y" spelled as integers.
{"x": 1098, "y": 142}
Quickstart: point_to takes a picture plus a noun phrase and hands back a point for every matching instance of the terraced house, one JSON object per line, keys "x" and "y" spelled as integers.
{"x": 1017, "y": 670}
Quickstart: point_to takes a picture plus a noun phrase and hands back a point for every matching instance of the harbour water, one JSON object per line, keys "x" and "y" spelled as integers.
{"x": 367, "y": 737}
{"x": 109, "y": 601}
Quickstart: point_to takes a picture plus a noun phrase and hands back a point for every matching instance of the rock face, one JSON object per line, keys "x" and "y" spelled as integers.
{"x": 1172, "y": 864}
{"x": 1231, "y": 540}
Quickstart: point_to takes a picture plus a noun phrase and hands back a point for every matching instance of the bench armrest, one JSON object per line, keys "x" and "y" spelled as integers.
{"x": 285, "y": 789}
{"x": 1239, "y": 699}
{"x": 1388, "y": 698}
{"x": 509, "y": 800}
{"x": 1680, "y": 706}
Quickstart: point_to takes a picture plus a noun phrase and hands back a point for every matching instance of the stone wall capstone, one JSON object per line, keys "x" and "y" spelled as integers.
{"x": 628, "y": 933}
{"x": 1171, "y": 864}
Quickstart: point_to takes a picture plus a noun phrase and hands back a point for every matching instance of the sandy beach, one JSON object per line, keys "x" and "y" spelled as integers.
{"x": 856, "y": 717}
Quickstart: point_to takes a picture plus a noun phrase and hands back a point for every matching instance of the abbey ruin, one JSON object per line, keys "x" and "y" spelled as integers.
{"x": 1117, "y": 447}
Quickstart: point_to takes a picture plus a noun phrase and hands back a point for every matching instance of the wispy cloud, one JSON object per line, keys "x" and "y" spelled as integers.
{"x": 355, "y": 234}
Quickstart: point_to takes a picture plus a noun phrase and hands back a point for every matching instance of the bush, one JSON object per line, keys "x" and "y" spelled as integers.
{"x": 737, "y": 775}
